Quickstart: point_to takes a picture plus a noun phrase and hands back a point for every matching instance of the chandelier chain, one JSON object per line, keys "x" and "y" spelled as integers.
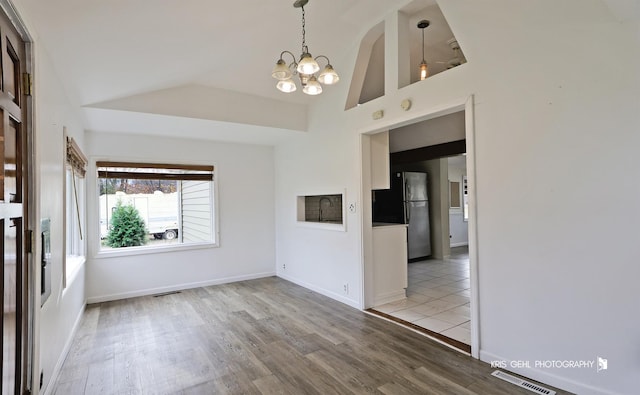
{"x": 304, "y": 42}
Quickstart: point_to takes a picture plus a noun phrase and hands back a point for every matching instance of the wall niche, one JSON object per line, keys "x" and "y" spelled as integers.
{"x": 442, "y": 51}
{"x": 321, "y": 211}
{"x": 441, "y": 48}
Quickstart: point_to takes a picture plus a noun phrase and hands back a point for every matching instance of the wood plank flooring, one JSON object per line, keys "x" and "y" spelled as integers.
{"x": 265, "y": 336}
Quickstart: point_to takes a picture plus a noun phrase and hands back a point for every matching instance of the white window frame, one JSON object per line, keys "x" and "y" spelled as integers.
{"x": 153, "y": 249}
{"x": 74, "y": 212}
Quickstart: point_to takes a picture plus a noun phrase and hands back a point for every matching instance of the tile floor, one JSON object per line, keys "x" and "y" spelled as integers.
{"x": 437, "y": 296}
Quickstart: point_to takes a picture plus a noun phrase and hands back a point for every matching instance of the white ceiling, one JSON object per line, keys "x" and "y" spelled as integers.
{"x": 106, "y": 50}
{"x": 110, "y": 53}
{"x": 109, "y": 49}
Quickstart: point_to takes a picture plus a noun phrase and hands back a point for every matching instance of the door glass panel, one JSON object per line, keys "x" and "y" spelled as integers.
{"x": 2, "y": 161}
{"x": 1, "y": 66}
{"x": 12, "y": 189}
{"x": 12, "y": 73}
{"x": 9, "y": 338}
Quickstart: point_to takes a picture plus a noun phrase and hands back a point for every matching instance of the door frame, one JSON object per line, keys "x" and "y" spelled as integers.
{"x": 30, "y": 336}
{"x": 465, "y": 104}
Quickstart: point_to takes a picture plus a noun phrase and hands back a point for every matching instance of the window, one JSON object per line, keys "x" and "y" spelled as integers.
{"x": 155, "y": 205}
{"x": 454, "y": 194}
{"x": 74, "y": 217}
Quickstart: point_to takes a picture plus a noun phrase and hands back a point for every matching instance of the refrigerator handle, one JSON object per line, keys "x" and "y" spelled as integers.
{"x": 407, "y": 191}
{"x": 407, "y": 213}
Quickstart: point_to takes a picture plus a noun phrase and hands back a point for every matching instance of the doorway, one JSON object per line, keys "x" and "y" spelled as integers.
{"x": 438, "y": 292}
{"x": 462, "y": 259}
{"x": 16, "y": 284}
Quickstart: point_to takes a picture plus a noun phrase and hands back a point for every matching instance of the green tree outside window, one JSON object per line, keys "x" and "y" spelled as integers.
{"x": 127, "y": 227}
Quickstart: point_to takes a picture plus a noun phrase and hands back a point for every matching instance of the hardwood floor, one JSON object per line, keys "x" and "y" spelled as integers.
{"x": 265, "y": 336}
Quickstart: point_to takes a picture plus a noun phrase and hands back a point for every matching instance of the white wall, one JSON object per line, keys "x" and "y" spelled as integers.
{"x": 63, "y": 309}
{"x": 321, "y": 162}
{"x": 550, "y": 102}
{"x": 438, "y": 130}
{"x": 245, "y": 182}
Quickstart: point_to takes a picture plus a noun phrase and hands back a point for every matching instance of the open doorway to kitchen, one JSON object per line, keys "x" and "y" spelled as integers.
{"x": 439, "y": 299}
{"x": 438, "y": 293}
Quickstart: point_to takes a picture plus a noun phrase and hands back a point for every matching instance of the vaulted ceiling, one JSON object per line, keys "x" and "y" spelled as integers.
{"x": 150, "y": 66}
{"x": 114, "y": 49}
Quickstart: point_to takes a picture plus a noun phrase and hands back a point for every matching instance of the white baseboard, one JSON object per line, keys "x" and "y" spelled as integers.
{"x": 322, "y": 291}
{"x": 462, "y": 243}
{"x": 63, "y": 355}
{"x": 178, "y": 287}
{"x": 548, "y": 378}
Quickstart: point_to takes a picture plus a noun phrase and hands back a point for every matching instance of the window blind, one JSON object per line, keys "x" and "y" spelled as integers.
{"x": 154, "y": 171}
{"x": 78, "y": 163}
{"x": 75, "y": 157}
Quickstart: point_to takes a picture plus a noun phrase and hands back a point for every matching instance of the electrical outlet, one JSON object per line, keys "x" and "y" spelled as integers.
{"x": 345, "y": 287}
{"x": 284, "y": 266}
{"x": 352, "y": 208}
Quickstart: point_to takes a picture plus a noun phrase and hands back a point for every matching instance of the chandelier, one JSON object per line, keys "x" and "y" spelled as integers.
{"x": 306, "y": 67}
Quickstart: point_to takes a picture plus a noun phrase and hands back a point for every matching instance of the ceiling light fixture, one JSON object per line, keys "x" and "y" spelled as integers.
{"x": 306, "y": 67}
{"x": 424, "y": 70}
{"x": 458, "y": 57}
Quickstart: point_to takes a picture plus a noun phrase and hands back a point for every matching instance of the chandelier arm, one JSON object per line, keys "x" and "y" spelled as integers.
{"x": 294, "y": 64}
{"x": 292, "y": 56}
{"x": 322, "y": 56}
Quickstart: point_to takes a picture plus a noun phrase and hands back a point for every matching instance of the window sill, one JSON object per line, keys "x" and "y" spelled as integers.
{"x": 337, "y": 226}
{"x": 145, "y": 250}
{"x": 73, "y": 263}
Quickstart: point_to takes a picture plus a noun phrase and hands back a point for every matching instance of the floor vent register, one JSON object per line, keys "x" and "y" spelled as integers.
{"x": 523, "y": 383}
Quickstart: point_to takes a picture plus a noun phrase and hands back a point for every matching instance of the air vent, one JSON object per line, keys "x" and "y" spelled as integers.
{"x": 523, "y": 383}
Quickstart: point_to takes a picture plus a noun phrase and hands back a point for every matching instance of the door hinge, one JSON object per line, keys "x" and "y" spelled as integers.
{"x": 27, "y": 84}
{"x": 29, "y": 241}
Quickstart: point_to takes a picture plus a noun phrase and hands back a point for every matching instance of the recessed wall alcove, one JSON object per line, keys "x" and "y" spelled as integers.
{"x": 367, "y": 82}
{"x": 325, "y": 211}
{"x": 442, "y": 51}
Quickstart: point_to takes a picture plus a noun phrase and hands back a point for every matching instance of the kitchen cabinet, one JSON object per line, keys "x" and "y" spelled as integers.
{"x": 390, "y": 270}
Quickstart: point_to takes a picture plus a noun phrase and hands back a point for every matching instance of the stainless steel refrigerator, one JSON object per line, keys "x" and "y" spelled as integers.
{"x": 407, "y": 202}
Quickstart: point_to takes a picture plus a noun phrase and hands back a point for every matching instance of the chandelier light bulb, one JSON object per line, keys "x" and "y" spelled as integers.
{"x": 312, "y": 87}
{"x": 281, "y": 71}
{"x": 286, "y": 86}
{"x": 424, "y": 71}
{"x": 328, "y": 76}
{"x": 307, "y": 64}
